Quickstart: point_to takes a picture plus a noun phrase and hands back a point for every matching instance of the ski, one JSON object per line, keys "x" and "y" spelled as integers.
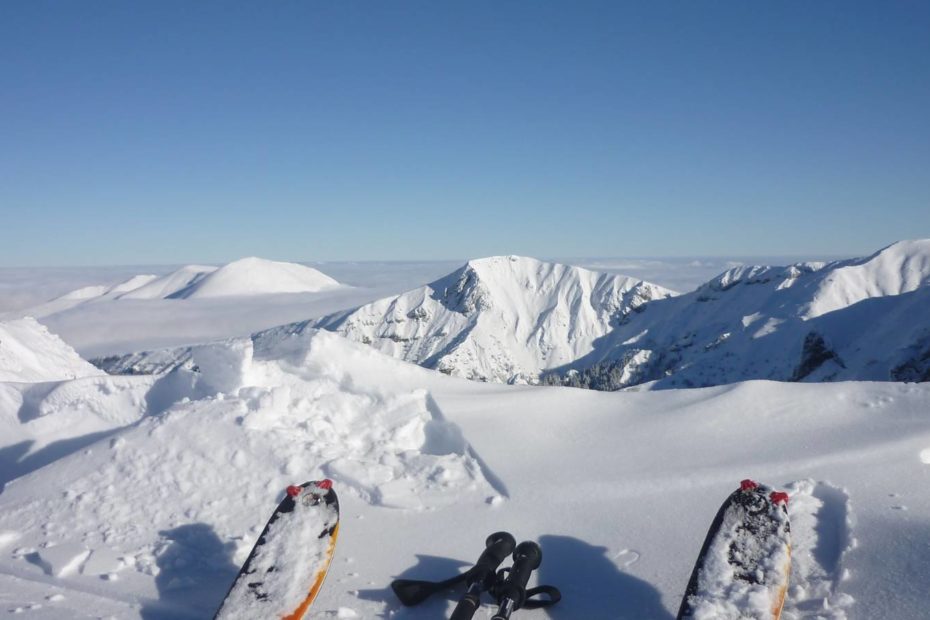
{"x": 743, "y": 567}
{"x": 285, "y": 570}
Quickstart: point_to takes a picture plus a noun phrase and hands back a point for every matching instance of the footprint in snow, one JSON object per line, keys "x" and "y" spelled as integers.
{"x": 626, "y": 557}
{"x": 821, "y": 535}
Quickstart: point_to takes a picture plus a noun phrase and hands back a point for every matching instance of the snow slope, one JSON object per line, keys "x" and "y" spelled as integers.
{"x": 618, "y": 488}
{"x": 855, "y": 319}
{"x": 504, "y": 318}
{"x": 29, "y": 352}
{"x": 171, "y": 285}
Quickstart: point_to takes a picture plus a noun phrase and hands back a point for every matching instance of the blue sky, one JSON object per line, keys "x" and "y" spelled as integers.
{"x": 171, "y": 132}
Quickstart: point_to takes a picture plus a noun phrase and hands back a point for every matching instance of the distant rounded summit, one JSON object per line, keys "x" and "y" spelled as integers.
{"x": 245, "y": 277}
{"x": 257, "y": 276}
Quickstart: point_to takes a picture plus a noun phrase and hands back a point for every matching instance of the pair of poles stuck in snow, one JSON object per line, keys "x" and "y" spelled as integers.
{"x": 507, "y": 586}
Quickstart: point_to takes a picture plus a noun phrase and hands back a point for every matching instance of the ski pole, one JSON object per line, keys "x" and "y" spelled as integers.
{"x": 481, "y": 576}
{"x": 511, "y": 593}
{"x": 497, "y": 547}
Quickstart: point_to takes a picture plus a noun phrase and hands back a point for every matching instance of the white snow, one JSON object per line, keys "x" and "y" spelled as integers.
{"x": 62, "y": 559}
{"x": 154, "y": 488}
{"x": 29, "y": 353}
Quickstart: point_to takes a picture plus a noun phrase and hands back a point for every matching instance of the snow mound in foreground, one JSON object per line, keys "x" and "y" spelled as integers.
{"x": 257, "y": 276}
{"x": 234, "y": 427}
{"x": 29, "y": 352}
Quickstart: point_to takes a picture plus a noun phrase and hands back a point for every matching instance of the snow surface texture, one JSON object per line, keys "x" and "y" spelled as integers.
{"x": 171, "y": 500}
{"x": 503, "y": 319}
{"x": 29, "y": 352}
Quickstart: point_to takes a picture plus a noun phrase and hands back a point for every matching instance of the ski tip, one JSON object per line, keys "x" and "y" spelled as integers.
{"x": 748, "y": 485}
{"x": 779, "y": 497}
{"x": 293, "y": 490}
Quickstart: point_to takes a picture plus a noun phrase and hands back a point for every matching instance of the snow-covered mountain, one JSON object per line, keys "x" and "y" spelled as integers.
{"x": 503, "y": 319}
{"x": 29, "y": 352}
{"x": 865, "y": 318}
{"x": 513, "y": 320}
{"x": 257, "y": 276}
{"x": 246, "y": 276}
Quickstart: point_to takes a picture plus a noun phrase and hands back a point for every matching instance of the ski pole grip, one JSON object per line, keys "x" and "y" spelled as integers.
{"x": 481, "y": 576}
{"x": 497, "y": 547}
{"x": 526, "y": 558}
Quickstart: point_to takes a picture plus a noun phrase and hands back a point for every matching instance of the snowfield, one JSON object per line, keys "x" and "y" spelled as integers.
{"x": 139, "y": 495}
{"x": 153, "y": 518}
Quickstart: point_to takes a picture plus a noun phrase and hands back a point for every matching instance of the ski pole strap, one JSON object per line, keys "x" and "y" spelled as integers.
{"x": 413, "y": 592}
{"x": 553, "y": 594}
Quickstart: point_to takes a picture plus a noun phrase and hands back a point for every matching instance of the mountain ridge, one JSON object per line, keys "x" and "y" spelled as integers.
{"x": 501, "y": 318}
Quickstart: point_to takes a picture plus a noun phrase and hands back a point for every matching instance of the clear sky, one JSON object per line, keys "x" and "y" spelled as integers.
{"x": 171, "y": 132}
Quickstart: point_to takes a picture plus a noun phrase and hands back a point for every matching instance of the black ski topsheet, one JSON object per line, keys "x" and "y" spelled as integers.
{"x": 285, "y": 570}
{"x": 743, "y": 567}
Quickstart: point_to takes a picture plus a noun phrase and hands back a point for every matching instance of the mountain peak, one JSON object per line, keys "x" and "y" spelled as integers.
{"x": 500, "y": 318}
{"x": 253, "y": 276}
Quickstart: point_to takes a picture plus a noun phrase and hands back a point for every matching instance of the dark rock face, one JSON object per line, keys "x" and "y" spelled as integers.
{"x": 814, "y": 354}
{"x": 917, "y": 368}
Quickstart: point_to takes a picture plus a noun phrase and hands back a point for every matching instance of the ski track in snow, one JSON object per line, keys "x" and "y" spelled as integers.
{"x": 821, "y": 535}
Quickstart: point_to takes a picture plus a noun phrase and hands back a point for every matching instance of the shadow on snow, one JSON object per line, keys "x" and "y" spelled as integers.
{"x": 195, "y": 573}
{"x": 592, "y": 586}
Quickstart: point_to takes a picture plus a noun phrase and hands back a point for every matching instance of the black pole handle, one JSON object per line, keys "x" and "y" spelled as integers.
{"x": 511, "y": 594}
{"x": 481, "y": 576}
{"x": 497, "y": 547}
